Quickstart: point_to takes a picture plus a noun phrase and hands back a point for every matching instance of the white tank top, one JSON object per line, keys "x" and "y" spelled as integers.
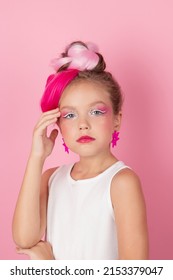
{"x": 80, "y": 217}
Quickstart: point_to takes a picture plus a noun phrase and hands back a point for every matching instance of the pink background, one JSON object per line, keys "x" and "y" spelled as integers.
{"x": 136, "y": 39}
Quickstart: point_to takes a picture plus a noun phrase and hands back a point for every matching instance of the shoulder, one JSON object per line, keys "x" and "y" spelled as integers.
{"x": 47, "y": 173}
{"x": 125, "y": 179}
{"x": 130, "y": 215}
{"x": 126, "y": 188}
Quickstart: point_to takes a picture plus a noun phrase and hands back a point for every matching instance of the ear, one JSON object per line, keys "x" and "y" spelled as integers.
{"x": 117, "y": 121}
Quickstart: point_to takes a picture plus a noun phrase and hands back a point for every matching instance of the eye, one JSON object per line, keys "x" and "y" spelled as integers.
{"x": 69, "y": 116}
{"x": 97, "y": 112}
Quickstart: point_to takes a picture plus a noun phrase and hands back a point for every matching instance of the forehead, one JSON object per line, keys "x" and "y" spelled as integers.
{"x": 83, "y": 93}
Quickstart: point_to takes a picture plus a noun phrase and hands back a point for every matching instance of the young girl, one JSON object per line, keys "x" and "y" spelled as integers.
{"x": 94, "y": 208}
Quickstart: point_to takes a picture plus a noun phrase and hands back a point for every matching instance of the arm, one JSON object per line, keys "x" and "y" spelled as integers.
{"x": 41, "y": 251}
{"x": 130, "y": 216}
{"x": 29, "y": 221}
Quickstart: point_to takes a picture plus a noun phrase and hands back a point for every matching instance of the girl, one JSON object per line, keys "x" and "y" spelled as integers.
{"x": 94, "y": 208}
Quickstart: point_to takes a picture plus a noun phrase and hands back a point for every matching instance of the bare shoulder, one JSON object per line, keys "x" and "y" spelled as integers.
{"x": 130, "y": 215}
{"x": 126, "y": 184}
{"x": 125, "y": 176}
{"x": 47, "y": 173}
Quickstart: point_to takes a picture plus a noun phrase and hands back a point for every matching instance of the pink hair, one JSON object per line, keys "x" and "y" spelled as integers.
{"x": 79, "y": 57}
{"x": 55, "y": 85}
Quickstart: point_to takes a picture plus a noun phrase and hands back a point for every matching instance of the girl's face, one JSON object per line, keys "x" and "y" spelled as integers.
{"x": 87, "y": 120}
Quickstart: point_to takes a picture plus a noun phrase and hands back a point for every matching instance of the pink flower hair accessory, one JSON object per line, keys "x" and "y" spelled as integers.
{"x": 79, "y": 57}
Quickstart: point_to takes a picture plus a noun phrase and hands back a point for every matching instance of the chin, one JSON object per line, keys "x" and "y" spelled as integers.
{"x": 86, "y": 152}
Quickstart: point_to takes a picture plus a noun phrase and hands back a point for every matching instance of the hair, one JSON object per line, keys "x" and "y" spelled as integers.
{"x": 80, "y": 62}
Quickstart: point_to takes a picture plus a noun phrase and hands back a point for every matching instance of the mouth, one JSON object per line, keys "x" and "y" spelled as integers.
{"x": 85, "y": 139}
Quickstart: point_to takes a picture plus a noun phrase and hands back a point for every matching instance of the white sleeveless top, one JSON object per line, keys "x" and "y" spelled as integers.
{"x": 80, "y": 217}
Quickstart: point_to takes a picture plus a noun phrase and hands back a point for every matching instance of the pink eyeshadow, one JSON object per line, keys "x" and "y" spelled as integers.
{"x": 64, "y": 113}
{"x": 102, "y": 108}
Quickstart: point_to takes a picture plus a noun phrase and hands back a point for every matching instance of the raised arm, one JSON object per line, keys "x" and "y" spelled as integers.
{"x": 29, "y": 221}
{"x": 130, "y": 216}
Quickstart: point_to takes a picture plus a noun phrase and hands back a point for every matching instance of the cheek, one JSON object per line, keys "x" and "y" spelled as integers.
{"x": 105, "y": 123}
{"x": 107, "y": 129}
{"x": 66, "y": 128}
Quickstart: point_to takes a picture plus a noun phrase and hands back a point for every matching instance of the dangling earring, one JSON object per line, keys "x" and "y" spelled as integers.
{"x": 114, "y": 138}
{"x": 65, "y": 146}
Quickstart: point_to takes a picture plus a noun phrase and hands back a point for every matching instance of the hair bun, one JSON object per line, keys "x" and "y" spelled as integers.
{"x": 79, "y": 56}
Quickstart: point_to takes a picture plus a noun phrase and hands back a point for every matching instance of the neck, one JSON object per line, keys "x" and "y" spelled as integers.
{"x": 95, "y": 163}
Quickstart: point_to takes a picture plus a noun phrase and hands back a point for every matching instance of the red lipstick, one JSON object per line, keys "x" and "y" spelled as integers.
{"x": 85, "y": 139}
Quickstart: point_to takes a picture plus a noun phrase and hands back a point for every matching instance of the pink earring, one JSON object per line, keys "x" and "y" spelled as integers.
{"x": 65, "y": 146}
{"x": 114, "y": 138}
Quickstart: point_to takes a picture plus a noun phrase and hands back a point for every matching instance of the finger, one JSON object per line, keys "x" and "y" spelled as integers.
{"x": 47, "y": 117}
{"x": 53, "y": 135}
{"x": 50, "y": 112}
{"x": 41, "y": 130}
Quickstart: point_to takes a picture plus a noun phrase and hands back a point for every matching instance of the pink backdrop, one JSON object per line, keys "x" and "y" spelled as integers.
{"x": 136, "y": 40}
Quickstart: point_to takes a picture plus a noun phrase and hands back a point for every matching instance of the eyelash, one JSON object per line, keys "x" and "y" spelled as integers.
{"x": 99, "y": 112}
{"x": 67, "y": 115}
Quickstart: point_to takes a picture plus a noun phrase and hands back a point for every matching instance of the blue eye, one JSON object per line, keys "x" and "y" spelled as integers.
{"x": 69, "y": 116}
{"x": 97, "y": 112}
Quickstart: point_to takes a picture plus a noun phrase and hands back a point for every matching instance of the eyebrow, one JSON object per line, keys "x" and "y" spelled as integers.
{"x": 91, "y": 104}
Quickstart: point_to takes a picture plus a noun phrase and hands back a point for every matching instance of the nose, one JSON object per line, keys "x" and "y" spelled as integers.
{"x": 83, "y": 127}
{"x": 83, "y": 124}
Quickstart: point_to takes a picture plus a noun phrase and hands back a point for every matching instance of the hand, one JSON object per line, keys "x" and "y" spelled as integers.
{"x": 41, "y": 251}
{"x": 42, "y": 145}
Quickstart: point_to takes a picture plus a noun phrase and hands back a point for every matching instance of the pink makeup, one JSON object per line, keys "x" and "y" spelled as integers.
{"x": 102, "y": 108}
{"x": 85, "y": 139}
{"x": 66, "y": 113}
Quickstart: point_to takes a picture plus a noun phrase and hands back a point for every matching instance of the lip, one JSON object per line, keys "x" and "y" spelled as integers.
{"x": 85, "y": 139}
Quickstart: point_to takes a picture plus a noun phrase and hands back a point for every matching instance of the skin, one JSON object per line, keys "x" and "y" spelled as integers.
{"x": 91, "y": 113}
